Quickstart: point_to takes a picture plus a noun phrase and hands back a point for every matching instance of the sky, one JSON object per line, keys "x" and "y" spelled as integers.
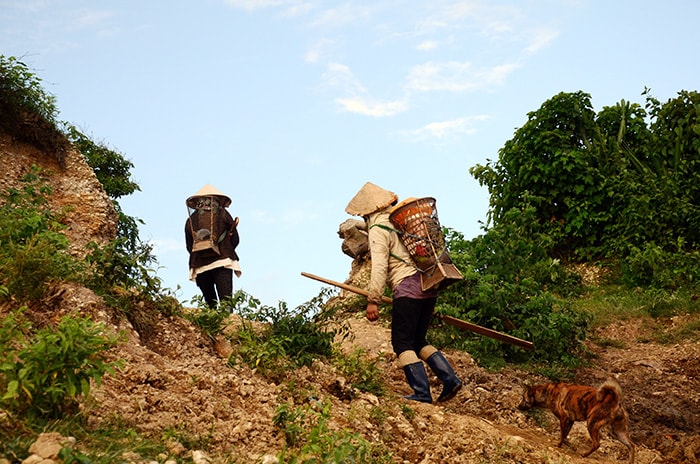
{"x": 290, "y": 106}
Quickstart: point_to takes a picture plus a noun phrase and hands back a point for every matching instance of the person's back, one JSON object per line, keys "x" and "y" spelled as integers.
{"x": 211, "y": 238}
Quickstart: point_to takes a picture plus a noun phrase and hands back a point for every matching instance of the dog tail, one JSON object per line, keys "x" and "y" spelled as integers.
{"x": 610, "y": 392}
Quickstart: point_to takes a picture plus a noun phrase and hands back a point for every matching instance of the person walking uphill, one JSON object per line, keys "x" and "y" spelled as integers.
{"x": 412, "y": 308}
{"x": 211, "y": 237}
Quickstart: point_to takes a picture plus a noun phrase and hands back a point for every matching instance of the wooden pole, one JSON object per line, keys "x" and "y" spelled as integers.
{"x": 500, "y": 336}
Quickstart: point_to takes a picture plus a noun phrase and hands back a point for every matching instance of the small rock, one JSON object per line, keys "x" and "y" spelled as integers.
{"x": 199, "y": 457}
{"x": 48, "y": 445}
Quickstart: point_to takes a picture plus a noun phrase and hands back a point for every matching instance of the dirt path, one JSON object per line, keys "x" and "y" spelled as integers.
{"x": 661, "y": 385}
{"x": 174, "y": 380}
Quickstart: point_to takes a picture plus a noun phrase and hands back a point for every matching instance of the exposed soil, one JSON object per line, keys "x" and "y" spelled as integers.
{"x": 177, "y": 379}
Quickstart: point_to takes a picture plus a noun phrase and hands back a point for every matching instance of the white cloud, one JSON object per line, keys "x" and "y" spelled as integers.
{"x": 318, "y": 50}
{"x": 298, "y": 216}
{"x": 340, "y": 76}
{"x": 262, "y": 217}
{"x": 451, "y": 76}
{"x": 368, "y": 107}
{"x": 90, "y": 18}
{"x": 251, "y": 5}
{"x": 498, "y": 74}
{"x": 447, "y": 129}
{"x": 342, "y": 15}
{"x": 540, "y": 39}
{"x": 427, "y": 45}
{"x": 455, "y": 76}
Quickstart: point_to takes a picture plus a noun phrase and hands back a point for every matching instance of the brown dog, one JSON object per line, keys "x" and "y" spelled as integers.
{"x": 570, "y": 403}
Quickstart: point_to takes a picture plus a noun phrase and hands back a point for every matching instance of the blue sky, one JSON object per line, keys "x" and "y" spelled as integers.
{"x": 291, "y": 106}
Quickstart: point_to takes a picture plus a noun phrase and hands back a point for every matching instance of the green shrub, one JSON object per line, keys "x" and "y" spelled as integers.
{"x": 43, "y": 375}
{"x": 33, "y": 248}
{"x": 295, "y": 337}
{"x": 25, "y": 105}
{"x": 512, "y": 285}
{"x": 209, "y": 320}
{"x": 309, "y": 439}
{"x": 360, "y": 372}
{"x": 652, "y": 266}
{"x": 30, "y": 267}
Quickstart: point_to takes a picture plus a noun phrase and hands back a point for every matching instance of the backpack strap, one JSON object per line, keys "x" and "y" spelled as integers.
{"x": 399, "y": 233}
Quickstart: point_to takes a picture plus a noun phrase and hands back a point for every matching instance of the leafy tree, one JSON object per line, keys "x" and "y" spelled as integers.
{"x": 601, "y": 184}
{"x": 551, "y": 164}
{"x": 676, "y": 147}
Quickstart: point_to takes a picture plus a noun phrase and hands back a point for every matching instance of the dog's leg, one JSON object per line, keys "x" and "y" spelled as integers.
{"x": 565, "y": 425}
{"x": 594, "y": 427}
{"x": 619, "y": 426}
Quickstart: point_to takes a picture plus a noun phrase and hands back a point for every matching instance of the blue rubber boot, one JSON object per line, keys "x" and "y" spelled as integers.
{"x": 450, "y": 382}
{"x": 418, "y": 380}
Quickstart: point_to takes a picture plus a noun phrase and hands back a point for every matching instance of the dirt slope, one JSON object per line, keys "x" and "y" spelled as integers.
{"x": 175, "y": 379}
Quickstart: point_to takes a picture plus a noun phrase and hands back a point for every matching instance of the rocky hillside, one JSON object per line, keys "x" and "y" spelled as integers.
{"x": 76, "y": 191}
{"x": 176, "y": 379}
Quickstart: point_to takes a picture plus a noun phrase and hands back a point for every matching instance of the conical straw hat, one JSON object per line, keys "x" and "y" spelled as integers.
{"x": 369, "y": 199}
{"x": 207, "y": 191}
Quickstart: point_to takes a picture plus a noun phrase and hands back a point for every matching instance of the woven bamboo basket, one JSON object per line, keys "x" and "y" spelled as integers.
{"x": 420, "y": 230}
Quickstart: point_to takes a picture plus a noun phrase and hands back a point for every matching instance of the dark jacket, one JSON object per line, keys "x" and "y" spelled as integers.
{"x": 227, "y": 247}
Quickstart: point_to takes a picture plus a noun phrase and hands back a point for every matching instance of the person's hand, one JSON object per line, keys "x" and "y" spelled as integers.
{"x": 372, "y": 311}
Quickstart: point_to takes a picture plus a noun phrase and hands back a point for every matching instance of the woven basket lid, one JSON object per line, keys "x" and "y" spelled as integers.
{"x": 370, "y": 198}
{"x": 209, "y": 191}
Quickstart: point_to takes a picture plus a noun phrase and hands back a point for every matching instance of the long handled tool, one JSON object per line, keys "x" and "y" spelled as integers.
{"x": 500, "y": 336}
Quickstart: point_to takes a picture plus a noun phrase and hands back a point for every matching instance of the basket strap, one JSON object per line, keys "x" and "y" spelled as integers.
{"x": 390, "y": 229}
{"x": 400, "y": 233}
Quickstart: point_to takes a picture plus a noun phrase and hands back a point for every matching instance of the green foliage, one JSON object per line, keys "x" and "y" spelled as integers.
{"x": 512, "y": 285}
{"x": 16, "y": 436}
{"x": 211, "y": 320}
{"x": 34, "y": 250}
{"x": 126, "y": 266}
{"x": 45, "y": 374}
{"x": 111, "y": 168}
{"x": 182, "y": 434}
{"x": 38, "y": 249}
{"x": 603, "y": 183}
{"x": 126, "y": 262}
{"x": 652, "y": 266}
{"x": 621, "y": 185}
{"x": 20, "y": 88}
{"x": 28, "y": 112}
{"x": 549, "y": 160}
{"x": 35, "y": 264}
{"x": 113, "y": 265}
{"x": 408, "y": 412}
{"x": 360, "y": 372}
{"x": 297, "y": 336}
{"x": 309, "y": 440}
